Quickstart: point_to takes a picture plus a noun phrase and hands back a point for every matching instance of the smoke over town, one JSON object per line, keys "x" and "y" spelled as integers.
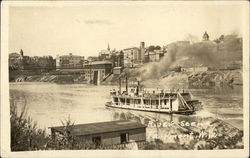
{"x": 213, "y": 54}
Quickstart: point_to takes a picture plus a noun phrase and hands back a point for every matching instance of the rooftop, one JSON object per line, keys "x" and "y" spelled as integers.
{"x": 101, "y": 127}
{"x": 104, "y": 52}
{"x": 118, "y": 67}
{"x": 69, "y": 55}
{"x": 98, "y": 62}
{"x": 130, "y": 48}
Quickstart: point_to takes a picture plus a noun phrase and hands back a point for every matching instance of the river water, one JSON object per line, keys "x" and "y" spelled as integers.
{"x": 48, "y": 104}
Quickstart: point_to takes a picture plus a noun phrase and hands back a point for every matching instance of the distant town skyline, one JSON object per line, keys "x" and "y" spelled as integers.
{"x": 86, "y": 30}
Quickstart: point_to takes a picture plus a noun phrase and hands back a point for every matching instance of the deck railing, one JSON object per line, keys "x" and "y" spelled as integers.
{"x": 149, "y": 91}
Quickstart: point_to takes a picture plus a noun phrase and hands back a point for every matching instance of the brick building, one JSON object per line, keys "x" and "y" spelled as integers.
{"x": 19, "y": 61}
{"x": 69, "y": 61}
{"x": 117, "y": 59}
{"x": 131, "y": 56}
{"x": 154, "y": 53}
{"x": 96, "y": 72}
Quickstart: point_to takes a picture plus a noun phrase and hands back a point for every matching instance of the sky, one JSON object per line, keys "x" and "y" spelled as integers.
{"x": 87, "y": 29}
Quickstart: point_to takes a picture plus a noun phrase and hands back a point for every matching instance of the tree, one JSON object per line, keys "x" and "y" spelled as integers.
{"x": 157, "y": 47}
{"x": 151, "y": 48}
{"x": 221, "y": 38}
{"x": 24, "y": 132}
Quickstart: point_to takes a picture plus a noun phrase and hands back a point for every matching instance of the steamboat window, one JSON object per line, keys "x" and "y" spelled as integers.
{"x": 137, "y": 101}
{"x": 146, "y": 102}
{"x": 128, "y": 101}
{"x": 132, "y": 101}
{"x": 122, "y": 100}
{"x": 155, "y": 102}
{"x": 116, "y": 101}
{"x": 163, "y": 102}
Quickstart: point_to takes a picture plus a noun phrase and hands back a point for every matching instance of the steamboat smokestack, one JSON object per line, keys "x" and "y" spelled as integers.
{"x": 142, "y": 51}
{"x": 137, "y": 88}
{"x": 120, "y": 85}
{"x": 126, "y": 84}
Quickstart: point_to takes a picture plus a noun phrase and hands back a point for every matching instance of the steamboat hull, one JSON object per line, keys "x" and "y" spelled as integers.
{"x": 184, "y": 112}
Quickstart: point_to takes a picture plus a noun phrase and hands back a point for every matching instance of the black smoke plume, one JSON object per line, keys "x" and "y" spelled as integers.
{"x": 185, "y": 54}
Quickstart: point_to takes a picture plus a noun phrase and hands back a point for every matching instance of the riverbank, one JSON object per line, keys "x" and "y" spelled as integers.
{"x": 51, "y": 78}
{"x": 203, "y": 79}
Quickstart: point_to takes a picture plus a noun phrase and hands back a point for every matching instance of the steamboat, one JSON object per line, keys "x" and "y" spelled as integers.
{"x": 156, "y": 100}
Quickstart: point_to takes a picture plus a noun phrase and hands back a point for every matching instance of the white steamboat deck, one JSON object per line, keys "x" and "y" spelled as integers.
{"x": 168, "y": 105}
{"x": 159, "y": 100}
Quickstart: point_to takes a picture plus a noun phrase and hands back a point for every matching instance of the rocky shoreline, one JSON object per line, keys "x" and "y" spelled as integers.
{"x": 192, "y": 79}
{"x": 204, "y": 133}
{"x": 52, "y": 78}
{"x": 211, "y": 78}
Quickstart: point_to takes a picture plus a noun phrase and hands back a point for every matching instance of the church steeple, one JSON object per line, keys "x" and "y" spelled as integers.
{"x": 108, "y": 47}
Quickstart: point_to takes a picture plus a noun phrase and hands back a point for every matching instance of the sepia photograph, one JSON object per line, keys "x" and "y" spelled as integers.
{"x": 125, "y": 79}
